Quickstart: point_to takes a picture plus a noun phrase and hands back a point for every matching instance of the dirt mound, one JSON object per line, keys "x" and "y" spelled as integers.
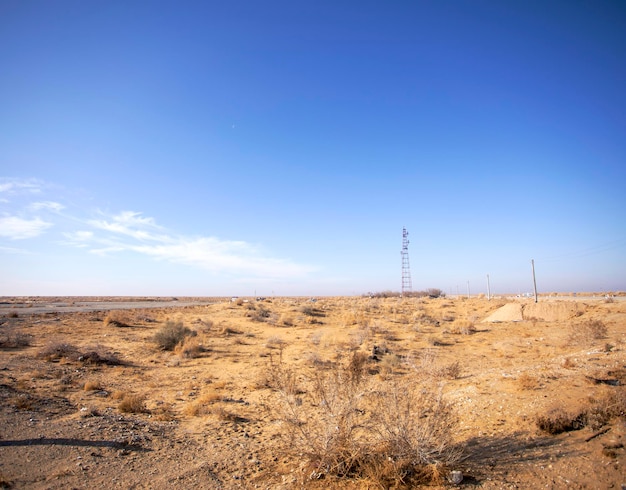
{"x": 550, "y": 312}
{"x": 511, "y": 312}
{"x": 553, "y": 311}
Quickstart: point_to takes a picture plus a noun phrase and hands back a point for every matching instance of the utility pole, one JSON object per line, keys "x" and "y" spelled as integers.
{"x": 407, "y": 286}
{"x": 488, "y": 289}
{"x": 532, "y": 263}
{"x": 468, "y": 290}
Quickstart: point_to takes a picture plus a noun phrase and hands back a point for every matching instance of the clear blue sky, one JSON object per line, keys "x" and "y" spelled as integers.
{"x": 279, "y": 147}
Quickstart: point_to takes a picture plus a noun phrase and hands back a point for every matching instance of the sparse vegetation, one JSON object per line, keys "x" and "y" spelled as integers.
{"x": 171, "y": 334}
{"x": 347, "y": 425}
{"x": 132, "y": 403}
{"x": 588, "y": 331}
{"x": 58, "y": 351}
{"x": 388, "y": 393}
{"x": 14, "y": 340}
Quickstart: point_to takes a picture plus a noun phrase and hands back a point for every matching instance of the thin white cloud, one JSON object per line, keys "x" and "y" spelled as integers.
{"x": 132, "y": 224}
{"x": 131, "y": 231}
{"x": 47, "y": 205}
{"x": 223, "y": 256}
{"x": 79, "y": 239}
{"x": 19, "y": 229}
{"x": 14, "y": 186}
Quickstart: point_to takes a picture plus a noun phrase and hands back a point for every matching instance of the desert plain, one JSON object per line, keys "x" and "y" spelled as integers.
{"x": 329, "y": 392}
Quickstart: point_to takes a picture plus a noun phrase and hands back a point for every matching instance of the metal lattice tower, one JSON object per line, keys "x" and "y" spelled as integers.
{"x": 406, "y": 268}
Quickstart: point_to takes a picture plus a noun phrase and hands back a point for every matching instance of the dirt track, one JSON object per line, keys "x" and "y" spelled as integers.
{"x": 87, "y": 306}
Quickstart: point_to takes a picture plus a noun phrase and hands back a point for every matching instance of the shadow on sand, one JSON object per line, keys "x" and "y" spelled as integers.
{"x": 59, "y": 441}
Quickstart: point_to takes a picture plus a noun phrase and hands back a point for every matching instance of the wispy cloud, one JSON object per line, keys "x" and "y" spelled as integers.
{"x": 130, "y": 231}
{"x": 46, "y": 205}
{"x": 17, "y": 228}
{"x": 14, "y": 186}
{"x": 106, "y": 234}
{"x": 132, "y": 224}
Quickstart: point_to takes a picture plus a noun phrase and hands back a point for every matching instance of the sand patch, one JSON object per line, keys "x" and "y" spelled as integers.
{"x": 511, "y": 312}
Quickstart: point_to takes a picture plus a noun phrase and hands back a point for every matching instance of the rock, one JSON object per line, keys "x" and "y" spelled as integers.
{"x": 456, "y": 477}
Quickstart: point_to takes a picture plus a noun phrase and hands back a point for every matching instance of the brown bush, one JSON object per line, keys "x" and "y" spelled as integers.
{"x": 131, "y": 403}
{"x": 558, "y": 420}
{"x": 171, "y": 334}
{"x": 588, "y": 332}
{"x": 347, "y": 425}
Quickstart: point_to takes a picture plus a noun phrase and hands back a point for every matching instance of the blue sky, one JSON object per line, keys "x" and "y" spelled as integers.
{"x": 279, "y": 147}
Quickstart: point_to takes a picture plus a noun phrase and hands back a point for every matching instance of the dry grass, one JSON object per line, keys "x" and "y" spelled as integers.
{"x": 92, "y": 385}
{"x": 348, "y": 425}
{"x": 190, "y": 348}
{"x": 94, "y": 355}
{"x": 171, "y": 334}
{"x": 14, "y": 340}
{"x": 528, "y": 381}
{"x": 115, "y": 319}
{"x": 358, "y": 402}
{"x": 132, "y": 403}
{"x": 588, "y": 332}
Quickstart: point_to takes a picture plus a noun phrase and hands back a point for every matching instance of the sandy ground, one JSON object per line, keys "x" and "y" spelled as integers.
{"x": 88, "y": 399}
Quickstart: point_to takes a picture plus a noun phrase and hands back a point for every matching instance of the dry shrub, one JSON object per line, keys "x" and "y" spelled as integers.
{"x": 449, "y": 371}
{"x": 14, "y": 340}
{"x": 348, "y": 426}
{"x": 527, "y": 381}
{"x": 23, "y": 401}
{"x": 426, "y": 320}
{"x": 463, "y": 327}
{"x": 568, "y": 363}
{"x": 286, "y": 320}
{"x": 115, "y": 319}
{"x": 588, "y": 331}
{"x": 258, "y": 313}
{"x": 171, "y": 334}
{"x": 190, "y": 348}
{"x": 597, "y": 413}
{"x": 390, "y": 362}
{"x": 131, "y": 403}
{"x": 557, "y": 420}
{"x": 92, "y": 385}
{"x": 201, "y": 406}
{"x": 275, "y": 342}
{"x": 164, "y": 412}
{"x": 57, "y": 351}
{"x": 612, "y": 404}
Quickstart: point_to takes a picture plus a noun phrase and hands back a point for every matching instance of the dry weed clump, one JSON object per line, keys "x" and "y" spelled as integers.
{"x": 132, "y": 403}
{"x": 462, "y": 327}
{"x": 527, "y": 381}
{"x": 588, "y": 331}
{"x": 58, "y": 351}
{"x": 595, "y": 414}
{"x": 171, "y": 334}
{"x": 92, "y": 385}
{"x": 349, "y": 425}
{"x": 190, "y": 348}
{"x": 14, "y": 340}
{"x": 114, "y": 319}
{"x": 202, "y": 405}
{"x": 557, "y": 420}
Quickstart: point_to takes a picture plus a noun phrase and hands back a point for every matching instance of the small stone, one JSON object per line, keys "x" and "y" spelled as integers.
{"x": 456, "y": 477}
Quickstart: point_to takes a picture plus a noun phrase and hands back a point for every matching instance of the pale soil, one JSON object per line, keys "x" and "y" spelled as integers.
{"x": 212, "y": 421}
